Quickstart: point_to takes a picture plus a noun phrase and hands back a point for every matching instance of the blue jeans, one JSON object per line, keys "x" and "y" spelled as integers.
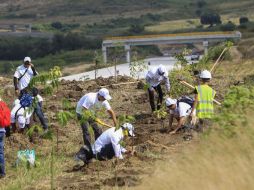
{"x": 40, "y": 115}
{"x": 2, "y": 165}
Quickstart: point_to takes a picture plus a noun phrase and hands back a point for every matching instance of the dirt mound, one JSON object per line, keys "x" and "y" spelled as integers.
{"x": 111, "y": 80}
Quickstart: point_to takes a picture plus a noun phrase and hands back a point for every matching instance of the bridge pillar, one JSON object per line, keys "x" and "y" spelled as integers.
{"x": 29, "y": 28}
{"x": 205, "y": 44}
{"x": 13, "y": 28}
{"x": 128, "y": 53}
{"x": 104, "y": 52}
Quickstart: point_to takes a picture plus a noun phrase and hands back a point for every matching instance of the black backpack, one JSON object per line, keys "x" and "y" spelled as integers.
{"x": 186, "y": 99}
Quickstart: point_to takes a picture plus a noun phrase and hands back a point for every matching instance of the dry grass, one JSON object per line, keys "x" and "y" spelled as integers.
{"x": 215, "y": 163}
{"x": 173, "y": 25}
{"x": 169, "y": 26}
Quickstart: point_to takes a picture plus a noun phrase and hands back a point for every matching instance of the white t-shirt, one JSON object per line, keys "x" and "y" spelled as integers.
{"x": 90, "y": 101}
{"x": 107, "y": 137}
{"x": 154, "y": 79}
{"x": 182, "y": 110}
{"x": 39, "y": 98}
{"x": 22, "y": 116}
{"x": 25, "y": 80}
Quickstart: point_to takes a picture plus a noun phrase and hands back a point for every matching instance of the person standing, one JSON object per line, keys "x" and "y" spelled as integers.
{"x": 5, "y": 115}
{"x": 154, "y": 78}
{"x": 93, "y": 102}
{"x": 38, "y": 108}
{"x": 23, "y": 75}
{"x": 204, "y": 96}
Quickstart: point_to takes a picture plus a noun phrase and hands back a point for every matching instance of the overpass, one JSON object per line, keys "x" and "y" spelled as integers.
{"x": 182, "y": 38}
{"x": 17, "y": 27}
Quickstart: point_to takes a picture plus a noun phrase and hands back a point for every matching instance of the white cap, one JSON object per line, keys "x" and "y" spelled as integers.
{"x": 105, "y": 93}
{"x": 21, "y": 122}
{"x": 27, "y": 59}
{"x": 162, "y": 69}
{"x": 205, "y": 74}
{"x": 170, "y": 101}
{"x": 130, "y": 128}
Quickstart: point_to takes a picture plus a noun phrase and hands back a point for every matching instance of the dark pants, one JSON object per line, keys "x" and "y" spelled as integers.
{"x": 85, "y": 155}
{"x": 152, "y": 97}
{"x": 86, "y": 135}
{"x": 106, "y": 153}
{"x": 40, "y": 115}
{"x": 2, "y": 164}
{"x": 203, "y": 124}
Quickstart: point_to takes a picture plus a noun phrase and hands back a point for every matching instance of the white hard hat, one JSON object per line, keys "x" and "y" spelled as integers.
{"x": 170, "y": 101}
{"x": 27, "y": 59}
{"x": 130, "y": 128}
{"x": 162, "y": 69}
{"x": 105, "y": 93}
{"x": 205, "y": 75}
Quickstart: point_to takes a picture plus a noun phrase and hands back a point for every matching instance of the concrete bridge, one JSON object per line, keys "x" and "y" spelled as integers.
{"x": 182, "y": 38}
{"x": 17, "y": 27}
{"x": 22, "y": 30}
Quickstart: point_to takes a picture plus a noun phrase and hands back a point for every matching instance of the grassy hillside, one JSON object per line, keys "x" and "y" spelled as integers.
{"x": 222, "y": 159}
{"x": 94, "y": 20}
{"x": 91, "y": 11}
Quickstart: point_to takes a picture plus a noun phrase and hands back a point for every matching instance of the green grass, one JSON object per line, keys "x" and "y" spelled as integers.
{"x": 106, "y": 12}
{"x": 223, "y": 157}
{"x": 25, "y": 177}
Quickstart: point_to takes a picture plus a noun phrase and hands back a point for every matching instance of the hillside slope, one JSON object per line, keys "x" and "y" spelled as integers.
{"x": 151, "y": 141}
{"x": 89, "y": 11}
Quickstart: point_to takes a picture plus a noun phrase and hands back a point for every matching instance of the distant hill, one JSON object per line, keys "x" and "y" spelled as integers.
{"x": 91, "y": 11}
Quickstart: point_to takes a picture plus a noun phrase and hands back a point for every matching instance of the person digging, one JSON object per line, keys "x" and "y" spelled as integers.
{"x": 108, "y": 145}
{"x": 93, "y": 102}
{"x": 180, "y": 110}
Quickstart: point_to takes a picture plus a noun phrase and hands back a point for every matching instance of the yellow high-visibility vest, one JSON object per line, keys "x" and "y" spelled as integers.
{"x": 205, "y": 101}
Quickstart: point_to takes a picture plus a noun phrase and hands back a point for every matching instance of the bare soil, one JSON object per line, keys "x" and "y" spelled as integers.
{"x": 151, "y": 143}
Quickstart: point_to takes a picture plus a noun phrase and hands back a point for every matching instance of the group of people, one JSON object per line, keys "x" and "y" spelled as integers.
{"x": 27, "y": 104}
{"x": 107, "y": 144}
{"x": 183, "y": 108}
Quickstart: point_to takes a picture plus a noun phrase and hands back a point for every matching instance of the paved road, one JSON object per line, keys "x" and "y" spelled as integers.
{"x": 123, "y": 69}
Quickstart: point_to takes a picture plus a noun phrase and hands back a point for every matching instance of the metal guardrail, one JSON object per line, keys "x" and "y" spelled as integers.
{"x": 173, "y": 35}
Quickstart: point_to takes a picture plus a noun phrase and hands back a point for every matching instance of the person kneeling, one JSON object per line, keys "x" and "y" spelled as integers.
{"x": 180, "y": 110}
{"x": 20, "y": 115}
{"x": 107, "y": 145}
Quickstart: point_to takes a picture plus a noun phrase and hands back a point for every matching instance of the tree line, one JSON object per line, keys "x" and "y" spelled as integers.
{"x": 15, "y": 48}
